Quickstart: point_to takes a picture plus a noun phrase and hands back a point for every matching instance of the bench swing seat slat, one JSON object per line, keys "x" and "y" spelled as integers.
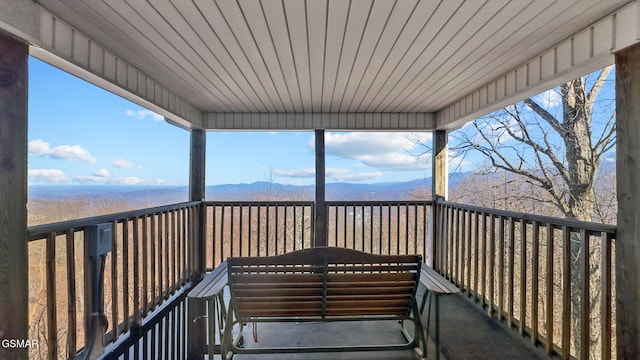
{"x": 322, "y": 284}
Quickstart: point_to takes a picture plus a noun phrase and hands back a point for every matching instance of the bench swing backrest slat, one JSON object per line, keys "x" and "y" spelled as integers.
{"x": 323, "y": 283}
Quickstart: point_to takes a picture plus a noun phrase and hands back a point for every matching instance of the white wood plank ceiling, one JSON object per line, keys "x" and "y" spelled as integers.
{"x": 324, "y": 56}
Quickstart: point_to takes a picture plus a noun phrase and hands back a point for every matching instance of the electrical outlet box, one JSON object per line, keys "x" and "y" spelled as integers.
{"x": 99, "y": 237}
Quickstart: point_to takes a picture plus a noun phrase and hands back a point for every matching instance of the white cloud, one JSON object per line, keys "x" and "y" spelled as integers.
{"x": 97, "y": 178}
{"x": 379, "y": 150}
{"x": 549, "y": 99}
{"x": 132, "y": 180}
{"x": 92, "y": 179}
{"x": 295, "y": 173}
{"x": 100, "y": 176}
{"x": 161, "y": 182}
{"x": 335, "y": 174}
{"x": 64, "y": 152}
{"x": 48, "y": 175}
{"x": 355, "y": 144}
{"x": 338, "y": 174}
{"x": 125, "y": 164}
{"x": 143, "y": 114}
{"x": 102, "y": 173}
{"x": 400, "y": 161}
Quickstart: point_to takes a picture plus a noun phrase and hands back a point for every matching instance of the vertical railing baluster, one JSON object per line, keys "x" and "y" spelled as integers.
{"x": 476, "y": 255}
{"x": 500, "y": 267}
{"x": 389, "y": 236}
{"x": 511, "y": 273}
{"x": 154, "y": 257}
{"x": 415, "y": 234}
{"x": 345, "y": 225}
{"x": 398, "y": 222}
{"x": 155, "y": 352}
{"x": 523, "y": 277}
{"x": 114, "y": 280}
{"x": 146, "y": 264}
{"x": 371, "y": 229}
{"x": 277, "y": 222}
{"x": 232, "y": 226}
{"x": 167, "y": 239}
{"x": 468, "y": 256}
{"x": 463, "y": 250}
{"x": 485, "y": 256}
{"x": 71, "y": 293}
{"x": 174, "y": 248}
{"x": 549, "y": 291}
{"x": 336, "y": 226}
{"x": 295, "y": 227}
{"x": 566, "y": 292}
{"x": 354, "y": 237}
{"x": 125, "y": 275}
{"x": 180, "y": 228}
{"x": 585, "y": 303}
{"x": 304, "y": 233}
{"x": 448, "y": 241}
{"x": 184, "y": 253}
{"x": 136, "y": 271}
{"x": 605, "y": 295}
{"x": 222, "y": 237}
{"x": 250, "y": 229}
{"x": 492, "y": 257}
{"x": 456, "y": 248}
{"x": 241, "y": 230}
{"x": 174, "y": 251}
{"x": 52, "y": 314}
{"x": 362, "y": 227}
{"x": 215, "y": 243}
{"x": 380, "y": 229}
{"x": 267, "y": 228}
{"x": 535, "y": 264}
{"x": 259, "y": 229}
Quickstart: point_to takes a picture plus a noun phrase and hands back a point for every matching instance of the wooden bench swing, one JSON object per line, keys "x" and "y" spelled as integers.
{"x": 318, "y": 284}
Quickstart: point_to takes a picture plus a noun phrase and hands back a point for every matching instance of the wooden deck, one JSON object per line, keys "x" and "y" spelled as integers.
{"x": 466, "y": 333}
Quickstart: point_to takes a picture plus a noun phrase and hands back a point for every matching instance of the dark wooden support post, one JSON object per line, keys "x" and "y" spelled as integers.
{"x": 13, "y": 195}
{"x": 321, "y": 208}
{"x": 197, "y": 192}
{"x": 196, "y": 309}
{"x": 439, "y": 190}
{"x": 628, "y": 188}
{"x": 440, "y": 175}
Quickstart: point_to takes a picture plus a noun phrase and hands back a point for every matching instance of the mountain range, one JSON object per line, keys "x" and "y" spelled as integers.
{"x": 234, "y": 192}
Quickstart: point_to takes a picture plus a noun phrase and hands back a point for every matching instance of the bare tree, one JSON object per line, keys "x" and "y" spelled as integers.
{"x": 554, "y": 153}
{"x": 559, "y": 153}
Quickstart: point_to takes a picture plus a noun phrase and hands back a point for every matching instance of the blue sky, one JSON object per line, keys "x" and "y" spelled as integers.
{"x": 82, "y": 134}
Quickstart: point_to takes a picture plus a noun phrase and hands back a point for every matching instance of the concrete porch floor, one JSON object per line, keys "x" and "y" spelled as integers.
{"x": 465, "y": 333}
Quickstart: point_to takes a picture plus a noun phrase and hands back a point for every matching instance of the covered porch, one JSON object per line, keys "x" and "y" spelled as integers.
{"x": 318, "y": 66}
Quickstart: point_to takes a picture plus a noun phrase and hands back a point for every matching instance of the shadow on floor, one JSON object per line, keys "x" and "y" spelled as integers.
{"x": 466, "y": 332}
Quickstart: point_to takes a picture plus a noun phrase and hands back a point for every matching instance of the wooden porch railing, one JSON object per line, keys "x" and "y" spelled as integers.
{"x": 277, "y": 227}
{"x": 550, "y": 279}
{"x": 380, "y": 227}
{"x": 256, "y": 228}
{"x": 150, "y": 261}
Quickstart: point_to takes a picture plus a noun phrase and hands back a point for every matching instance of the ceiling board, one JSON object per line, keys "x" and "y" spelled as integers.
{"x": 328, "y": 56}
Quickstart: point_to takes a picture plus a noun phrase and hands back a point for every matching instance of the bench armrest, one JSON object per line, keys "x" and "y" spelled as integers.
{"x": 435, "y": 282}
{"x": 212, "y": 284}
